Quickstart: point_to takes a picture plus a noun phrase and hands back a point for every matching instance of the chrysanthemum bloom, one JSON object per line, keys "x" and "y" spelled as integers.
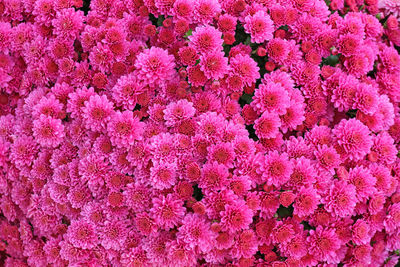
{"x": 93, "y": 168}
{"x": 68, "y": 23}
{"x": 222, "y": 153}
{"x": 206, "y": 39}
{"x": 276, "y": 169}
{"x": 236, "y": 217}
{"x": 267, "y": 126}
{"x": 196, "y": 233}
{"x": 206, "y": 10}
{"x": 327, "y": 158}
{"x": 49, "y": 132}
{"x": 82, "y": 234}
{"x": 348, "y": 44}
{"x": 324, "y": 244}
{"x": 392, "y": 220}
{"x": 271, "y": 97}
{"x": 353, "y": 137}
{"x": 296, "y": 247}
{"x": 283, "y": 232}
{"x": 361, "y": 232}
{"x": 214, "y": 65}
{"x": 134, "y": 257}
{"x": 363, "y": 181}
{"x": 113, "y": 234}
{"x": 155, "y": 66}
{"x": 214, "y": 176}
{"x": 240, "y": 184}
{"x": 101, "y": 57}
{"x": 366, "y": 99}
{"x": 177, "y": 112}
{"x": 23, "y": 151}
{"x": 127, "y": 90}
{"x": 179, "y": 255}
{"x": 341, "y": 199}
{"x": 78, "y": 196}
{"x": 124, "y": 128}
{"x": 390, "y": 6}
{"x": 137, "y": 196}
{"x": 259, "y": 26}
{"x": 77, "y": 101}
{"x": 183, "y": 9}
{"x": 277, "y": 50}
{"x": 306, "y": 202}
{"x": 246, "y": 68}
{"x": 167, "y": 211}
{"x": 162, "y": 175}
{"x": 246, "y": 244}
{"x": 97, "y": 112}
{"x": 385, "y": 148}
{"x": 343, "y": 88}
{"x": 49, "y": 106}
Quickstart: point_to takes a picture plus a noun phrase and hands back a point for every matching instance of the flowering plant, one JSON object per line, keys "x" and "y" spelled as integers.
{"x": 199, "y": 133}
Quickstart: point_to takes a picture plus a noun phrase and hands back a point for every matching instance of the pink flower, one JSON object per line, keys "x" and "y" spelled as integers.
{"x": 296, "y": 247}
{"x": 392, "y": 222}
{"x": 222, "y": 153}
{"x": 183, "y": 9}
{"x": 155, "y": 66}
{"x": 245, "y": 245}
{"x": 68, "y": 23}
{"x": 49, "y": 132}
{"x": 214, "y": 176}
{"x": 306, "y": 202}
{"x": 163, "y": 175}
{"x": 327, "y": 158}
{"x": 113, "y": 234}
{"x": 271, "y": 97}
{"x": 138, "y": 197}
{"x": 267, "y": 126}
{"x": 82, "y": 234}
{"x": 324, "y": 245}
{"x": 77, "y": 100}
{"x": 178, "y": 111}
{"x": 246, "y": 68}
{"x": 353, "y": 138}
{"x": 206, "y": 10}
{"x": 195, "y": 232}
{"x": 259, "y": 26}
{"x": 167, "y": 211}
{"x": 23, "y": 151}
{"x": 127, "y": 91}
{"x": 124, "y": 129}
{"x": 236, "y": 217}
{"x": 276, "y": 169}
{"x": 101, "y": 57}
{"x": 277, "y": 50}
{"x": 366, "y": 99}
{"x": 180, "y": 255}
{"x": 363, "y": 181}
{"x": 341, "y": 199}
{"x": 97, "y": 112}
{"x": 206, "y": 39}
{"x": 214, "y": 65}
{"x": 361, "y": 232}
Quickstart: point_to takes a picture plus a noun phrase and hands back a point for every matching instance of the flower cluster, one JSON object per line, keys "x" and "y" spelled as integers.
{"x": 199, "y": 133}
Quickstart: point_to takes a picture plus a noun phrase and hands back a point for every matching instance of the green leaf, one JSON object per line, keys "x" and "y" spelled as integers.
{"x": 188, "y": 33}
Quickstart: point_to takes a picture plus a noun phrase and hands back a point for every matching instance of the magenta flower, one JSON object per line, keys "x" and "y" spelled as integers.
{"x": 155, "y": 65}
{"x": 259, "y": 26}
{"x": 82, "y": 234}
{"x": 124, "y": 129}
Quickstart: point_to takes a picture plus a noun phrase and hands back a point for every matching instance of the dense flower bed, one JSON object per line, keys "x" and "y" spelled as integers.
{"x": 199, "y": 132}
